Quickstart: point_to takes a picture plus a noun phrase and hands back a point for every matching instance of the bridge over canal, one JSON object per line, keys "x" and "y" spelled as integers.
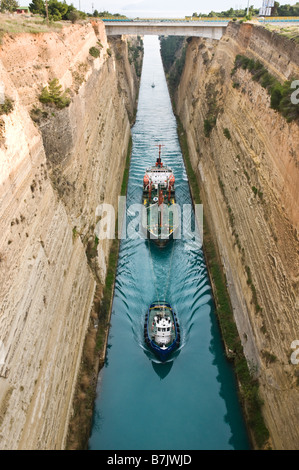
{"x": 212, "y": 30}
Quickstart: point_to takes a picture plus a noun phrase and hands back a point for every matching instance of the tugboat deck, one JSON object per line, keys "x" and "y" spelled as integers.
{"x": 161, "y": 312}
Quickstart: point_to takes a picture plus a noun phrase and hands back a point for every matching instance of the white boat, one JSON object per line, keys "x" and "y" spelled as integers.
{"x": 161, "y": 329}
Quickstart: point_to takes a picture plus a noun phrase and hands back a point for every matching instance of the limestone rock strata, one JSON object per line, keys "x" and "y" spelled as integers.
{"x": 250, "y": 178}
{"x": 53, "y": 174}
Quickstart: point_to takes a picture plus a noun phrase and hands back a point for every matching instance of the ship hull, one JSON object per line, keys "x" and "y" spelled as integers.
{"x": 158, "y": 240}
{"x": 163, "y": 235}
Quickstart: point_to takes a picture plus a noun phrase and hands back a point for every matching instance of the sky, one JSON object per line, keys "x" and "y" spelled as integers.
{"x": 161, "y": 8}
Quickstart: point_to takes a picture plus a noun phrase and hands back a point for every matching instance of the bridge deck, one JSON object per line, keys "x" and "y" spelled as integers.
{"x": 211, "y": 30}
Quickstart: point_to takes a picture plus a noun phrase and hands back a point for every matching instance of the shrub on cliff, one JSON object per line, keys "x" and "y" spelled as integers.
{"x": 288, "y": 109}
{"x": 7, "y": 106}
{"x": 276, "y": 97}
{"x": 208, "y": 126}
{"x": 226, "y": 133}
{"x": 94, "y": 52}
{"x": 280, "y": 93}
{"x": 53, "y": 95}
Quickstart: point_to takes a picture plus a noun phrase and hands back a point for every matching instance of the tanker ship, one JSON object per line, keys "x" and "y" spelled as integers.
{"x": 160, "y": 219}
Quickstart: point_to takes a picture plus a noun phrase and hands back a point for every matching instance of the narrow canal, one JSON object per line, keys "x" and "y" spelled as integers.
{"x": 191, "y": 401}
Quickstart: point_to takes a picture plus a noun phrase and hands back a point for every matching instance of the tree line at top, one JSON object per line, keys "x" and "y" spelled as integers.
{"x": 56, "y": 10}
{"x": 277, "y": 10}
{"x": 62, "y": 11}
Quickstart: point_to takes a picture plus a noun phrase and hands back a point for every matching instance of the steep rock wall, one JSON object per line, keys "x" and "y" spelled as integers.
{"x": 53, "y": 174}
{"x": 249, "y": 180}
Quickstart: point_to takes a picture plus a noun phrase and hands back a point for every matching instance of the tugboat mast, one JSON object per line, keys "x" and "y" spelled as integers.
{"x": 159, "y": 164}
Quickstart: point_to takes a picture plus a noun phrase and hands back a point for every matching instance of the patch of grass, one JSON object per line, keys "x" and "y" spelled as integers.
{"x": 253, "y": 289}
{"x": 280, "y": 93}
{"x": 94, "y": 52}
{"x": 226, "y": 133}
{"x": 7, "y": 106}
{"x": 75, "y": 233}
{"x": 79, "y": 75}
{"x": 247, "y": 176}
{"x": 127, "y": 169}
{"x": 290, "y": 32}
{"x": 269, "y": 357}
{"x": 92, "y": 249}
{"x": 20, "y": 24}
{"x": 213, "y": 110}
{"x": 37, "y": 114}
{"x": 208, "y": 126}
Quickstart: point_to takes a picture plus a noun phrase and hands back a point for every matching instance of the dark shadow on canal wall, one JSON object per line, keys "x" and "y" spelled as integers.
{"x": 234, "y": 418}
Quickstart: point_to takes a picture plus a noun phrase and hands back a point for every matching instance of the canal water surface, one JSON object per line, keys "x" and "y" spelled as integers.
{"x": 191, "y": 401}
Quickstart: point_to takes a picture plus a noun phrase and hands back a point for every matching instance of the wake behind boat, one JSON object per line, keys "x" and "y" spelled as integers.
{"x": 161, "y": 329}
{"x": 160, "y": 220}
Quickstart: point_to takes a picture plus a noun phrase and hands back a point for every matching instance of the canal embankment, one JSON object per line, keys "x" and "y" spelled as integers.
{"x": 96, "y": 342}
{"x": 243, "y": 154}
{"x": 70, "y": 101}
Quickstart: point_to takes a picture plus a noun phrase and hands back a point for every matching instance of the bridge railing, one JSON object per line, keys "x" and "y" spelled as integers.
{"x": 271, "y": 19}
{"x": 116, "y": 19}
{"x": 164, "y": 20}
{"x": 276, "y": 19}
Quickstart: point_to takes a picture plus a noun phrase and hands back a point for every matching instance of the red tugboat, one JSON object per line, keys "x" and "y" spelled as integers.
{"x": 160, "y": 219}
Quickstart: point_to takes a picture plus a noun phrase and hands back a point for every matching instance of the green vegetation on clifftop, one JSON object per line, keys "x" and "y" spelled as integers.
{"x": 280, "y": 93}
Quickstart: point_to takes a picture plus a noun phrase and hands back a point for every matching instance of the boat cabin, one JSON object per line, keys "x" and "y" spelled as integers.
{"x": 163, "y": 329}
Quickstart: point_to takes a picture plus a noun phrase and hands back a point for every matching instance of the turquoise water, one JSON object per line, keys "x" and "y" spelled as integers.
{"x": 191, "y": 401}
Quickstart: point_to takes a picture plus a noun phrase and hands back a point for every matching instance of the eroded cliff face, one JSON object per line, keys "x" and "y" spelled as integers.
{"x": 54, "y": 172}
{"x": 248, "y": 169}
